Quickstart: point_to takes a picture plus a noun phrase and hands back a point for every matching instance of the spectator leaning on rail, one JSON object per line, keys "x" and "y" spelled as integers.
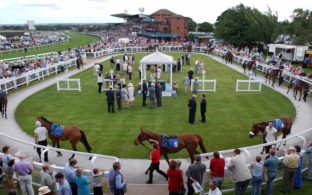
{"x": 241, "y": 173}
{"x": 195, "y": 173}
{"x": 47, "y": 177}
{"x": 291, "y": 163}
{"x": 298, "y": 179}
{"x": 217, "y": 168}
{"x": 41, "y": 139}
{"x": 82, "y": 182}
{"x": 271, "y": 164}
{"x": 24, "y": 169}
{"x": 7, "y": 162}
{"x": 96, "y": 181}
{"x": 70, "y": 175}
{"x": 64, "y": 185}
{"x": 309, "y": 153}
{"x": 257, "y": 176}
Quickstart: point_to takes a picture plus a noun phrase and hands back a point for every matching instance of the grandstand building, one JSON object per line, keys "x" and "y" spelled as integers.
{"x": 162, "y": 24}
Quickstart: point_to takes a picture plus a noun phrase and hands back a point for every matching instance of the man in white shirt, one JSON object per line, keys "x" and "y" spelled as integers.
{"x": 41, "y": 139}
{"x": 214, "y": 190}
{"x": 270, "y": 135}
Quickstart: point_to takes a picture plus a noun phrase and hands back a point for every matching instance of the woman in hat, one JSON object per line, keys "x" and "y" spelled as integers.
{"x": 44, "y": 190}
{"x": 131, "y": 94}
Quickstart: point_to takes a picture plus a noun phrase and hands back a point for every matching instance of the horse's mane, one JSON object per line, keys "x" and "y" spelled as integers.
{"x": 45, "y": 120}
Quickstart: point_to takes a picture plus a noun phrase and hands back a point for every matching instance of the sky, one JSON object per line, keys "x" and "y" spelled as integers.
{"x": 99, "y": 11}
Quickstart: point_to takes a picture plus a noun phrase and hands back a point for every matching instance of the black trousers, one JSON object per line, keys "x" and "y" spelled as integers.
{"x": 74, "y": 188}
{"x": 152, "y": 168}
{"x": 43, "y": 143}
{"x": 203, "y": 116}
{"x": 97, "y": 190}
{"x": 190, "y": 189}
{"x": 191, "y": 116}
{"x": 130, "y": 75}
{"x": 111, "y": 107}
{"x": 119, "y": 104}
{"x": 144, "y": 98}
{"x": 100, "y": 87}
{"x": 158, "y": 98}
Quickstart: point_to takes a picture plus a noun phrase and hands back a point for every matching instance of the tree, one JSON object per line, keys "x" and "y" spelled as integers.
{"x": 244, "y": 26}
{"x": 191, "y": 24}
{"x": 205, "y": 27}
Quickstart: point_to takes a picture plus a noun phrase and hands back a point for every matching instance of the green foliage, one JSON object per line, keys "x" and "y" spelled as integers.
{"x": 229, "y": 114}
{"x": 205, "y": 27}
{"x": 191, "y": 24}
{"x": 244, "y": 26}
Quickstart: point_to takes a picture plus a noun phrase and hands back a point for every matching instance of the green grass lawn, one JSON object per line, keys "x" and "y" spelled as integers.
{"x": 76, "y": 40}
{"x": 229, "y": 114}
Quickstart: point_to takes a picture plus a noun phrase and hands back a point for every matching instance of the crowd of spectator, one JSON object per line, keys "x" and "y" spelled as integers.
{"x": 32, "y": 39}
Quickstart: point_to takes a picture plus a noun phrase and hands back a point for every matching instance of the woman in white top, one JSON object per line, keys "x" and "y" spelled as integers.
{"x": 131, "y": 94}
{"x": 158, "y": 73}
{"x": 100, "y": 80}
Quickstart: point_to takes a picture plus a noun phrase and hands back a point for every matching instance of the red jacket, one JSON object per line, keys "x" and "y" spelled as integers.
{"x": 155, "y": 155}
{"x": 175, "y": 180}
{"x": 217, "y": 167}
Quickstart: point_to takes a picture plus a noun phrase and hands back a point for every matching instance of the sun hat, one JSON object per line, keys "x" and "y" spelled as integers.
{"x": 43, "y": 190}
{"x": 130, "y": 85}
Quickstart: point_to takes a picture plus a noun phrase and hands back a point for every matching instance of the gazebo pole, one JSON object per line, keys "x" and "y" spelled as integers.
{"x": 171, "y": 76}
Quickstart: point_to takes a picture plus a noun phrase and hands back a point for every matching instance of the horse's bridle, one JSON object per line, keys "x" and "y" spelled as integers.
{"x": 141, "y": 141}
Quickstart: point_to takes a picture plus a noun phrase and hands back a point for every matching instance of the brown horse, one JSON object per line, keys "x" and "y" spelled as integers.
{"x": 260, "y": 127}
{"x": 210, "y": 50}
{"x": 298, "y": 85}
{"x": 3, "y": 104}
{"x": 271, "y": 75}
{"x": 248, "y": 65}
{"x": 228, "y": 58}
{"x": 187, "y": 141}
{"x": 72, "y": 133}
{"x": 79, "y": 61}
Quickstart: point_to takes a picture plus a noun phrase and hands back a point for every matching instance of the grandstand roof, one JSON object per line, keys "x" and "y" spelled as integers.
{"x": 129, "y": 16}
{"x": 164, "y": 12}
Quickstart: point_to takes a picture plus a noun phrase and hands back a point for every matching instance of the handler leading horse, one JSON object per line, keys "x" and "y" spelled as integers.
{"x": 72, "y": 133}
{"x": 260, "y": 127}
{"x": 187, "y": 141}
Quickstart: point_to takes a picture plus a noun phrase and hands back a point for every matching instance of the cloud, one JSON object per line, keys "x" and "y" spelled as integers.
{"x": 99, "y": 1}
{"x": 51, "y": 5}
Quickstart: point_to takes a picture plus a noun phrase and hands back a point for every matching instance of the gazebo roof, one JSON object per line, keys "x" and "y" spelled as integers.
{"x": 157, "y": 58}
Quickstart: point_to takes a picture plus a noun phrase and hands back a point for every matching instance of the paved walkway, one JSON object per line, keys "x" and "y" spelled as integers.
{"x": 133, "y": 169}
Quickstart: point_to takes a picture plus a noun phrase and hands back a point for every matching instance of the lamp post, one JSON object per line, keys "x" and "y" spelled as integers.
{"x": 204, "y": 73}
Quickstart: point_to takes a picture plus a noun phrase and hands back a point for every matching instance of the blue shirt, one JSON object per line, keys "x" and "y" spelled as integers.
{"x": 64, "y": 188}
{"x": 309, "y": 152}
{"x": 271, "y": 164}
{"x": 6, "y": 159}
{"x": 257, "y": 169}
{"x": 115, "y": 180}
{"x": 70, "y": 173}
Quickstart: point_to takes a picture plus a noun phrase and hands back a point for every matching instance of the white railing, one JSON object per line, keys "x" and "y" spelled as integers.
{"x": 27, "y": 146}
{"x": 68, "y": 86}
{"x": 252, "y": 85}
{"x": 27, "y": 77}
{"x": 205, "y": 85}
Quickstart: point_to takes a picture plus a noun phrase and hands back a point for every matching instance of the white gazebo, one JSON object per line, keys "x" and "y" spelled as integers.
{"x": 159, "y": 59}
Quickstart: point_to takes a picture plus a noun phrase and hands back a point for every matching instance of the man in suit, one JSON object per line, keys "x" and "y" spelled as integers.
{"x": 203, "y": 108}
{"x": 110, "y": 98}
{"x": 144, "y": 92}
{"x": 192, "y": 109}
{"x": 152, "y": 95}
{"x": 158, "y": 94}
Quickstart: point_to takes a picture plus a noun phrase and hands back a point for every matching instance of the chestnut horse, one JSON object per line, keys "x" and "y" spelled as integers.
{"x": 272, "y": 74}
{"x": 187, "y": 141}
{"x": 248, "y": 65}
{"x": 72, "y": 133}
{"x": 3, "y": 104}
{"x": 298, "y": 85}
{"x": 260, "y": 127}
{"x": 228, "y": 58}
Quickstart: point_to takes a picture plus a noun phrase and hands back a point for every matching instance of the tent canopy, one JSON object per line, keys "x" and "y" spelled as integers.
{"x": 157, "y": 58}
{"x": 2, "y": 37}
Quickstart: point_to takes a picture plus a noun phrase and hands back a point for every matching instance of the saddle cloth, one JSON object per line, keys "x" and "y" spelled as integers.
{"x": 169, "y": 141}
{"x": 56, "y": 130}
{"x": 277, "y": 123}
{"x": 295, "y": 81}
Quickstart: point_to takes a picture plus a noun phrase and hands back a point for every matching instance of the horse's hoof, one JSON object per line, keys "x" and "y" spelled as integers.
{"x": 59, "y": 154}
{"x": 90, "y": 157}
{"x": 261, "y": 152}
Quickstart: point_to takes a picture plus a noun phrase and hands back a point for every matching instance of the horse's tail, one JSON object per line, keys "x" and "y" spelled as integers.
{"x": 84, "y": 141}
{"x": 201, "y": 144}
